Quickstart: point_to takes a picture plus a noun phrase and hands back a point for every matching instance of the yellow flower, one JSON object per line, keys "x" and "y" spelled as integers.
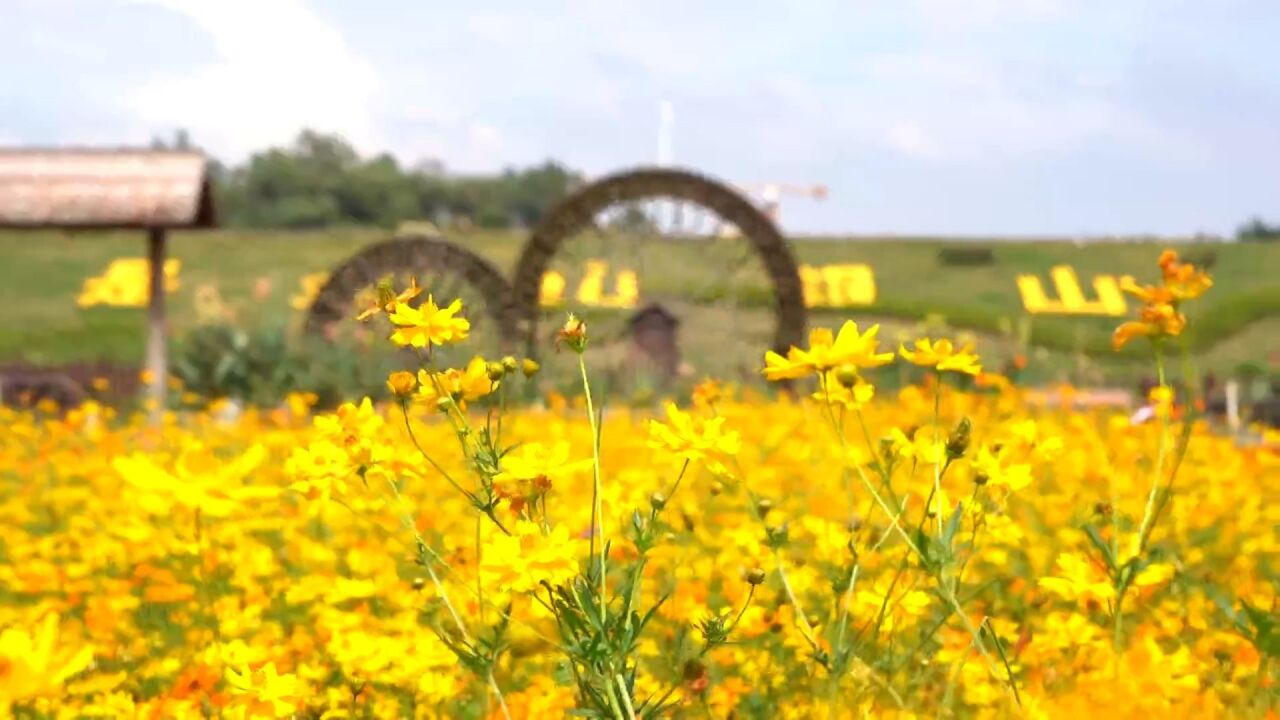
{"x": 1183, "y": 280}
{"x": 263, "y": 693}
{"x": 320, "y": 471}
{"x": 199, "y": 481}
{"x": 707, "y": 393}
{"x": 534, "y": 460}
{"x": 522, "y": 561}
{"x": 696, "y": 440}
{"x": 827, "y": 352}
{"x": 385, "y": 298}
{"x": 1078, "y": 579}
{"x": 401, "y": 383}
{"x": 470, "y": 383}
{"x": 995, "y": 469}
{"x": 924, "y": 446}
{"x": 428, "y": 325}
{"x": 834, "y": 392}
{"x": 311, "y": 286}
{"x": 1159, "y": 315}
{"x": 31, "y": 664}
{"x": 942, "y": 356}
{"x": 1159, "y": 320}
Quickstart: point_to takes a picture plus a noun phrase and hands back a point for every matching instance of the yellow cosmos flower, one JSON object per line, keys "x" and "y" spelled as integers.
{"x": 834, "y": 392}
{"x": 470, "y": 383}
{"x": 1184, "y": 281}
{"x": 33, "y": 665}
{"x": 994, "y": 468}
{"x": 1160, "y": 315}
{"x": 535, "y": 460}
{"x": 696, "y": 440}
{"x": 1154, "y": 320}
{"x": 264, "y": 692}
{"x": 387, "y": 300}
{"x": 522, "y": 561}
{"x": 428, "y": 325}
{"x": 923, "y": 446}
{"x": 943, "y": 356}
{"x": 199, "y": 481}
{"x": 1078, "y": 579}
{"x": 827, "y": 352}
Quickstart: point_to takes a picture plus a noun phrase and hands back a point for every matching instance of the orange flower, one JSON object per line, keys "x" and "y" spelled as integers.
{"x": 1183, "y": 280}
{"x": 1160, "y": 320}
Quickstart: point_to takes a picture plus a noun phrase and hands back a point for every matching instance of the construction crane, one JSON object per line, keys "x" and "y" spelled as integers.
{"x": 769, "y": 195}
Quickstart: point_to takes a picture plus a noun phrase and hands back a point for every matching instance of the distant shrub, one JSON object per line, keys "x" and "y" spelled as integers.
{"x": 261, "y": 366}
{"x": 1258, "y": 230}
{"x": 1202, "y": 258}
{"x": 965, "y": 256}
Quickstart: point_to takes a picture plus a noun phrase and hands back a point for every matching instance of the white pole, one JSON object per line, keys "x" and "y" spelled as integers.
{"x": 1233, "y": 404}
{"x": 157, "y": 358}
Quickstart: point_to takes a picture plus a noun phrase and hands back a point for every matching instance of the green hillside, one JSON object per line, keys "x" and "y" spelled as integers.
{"x": 41, "y": 274}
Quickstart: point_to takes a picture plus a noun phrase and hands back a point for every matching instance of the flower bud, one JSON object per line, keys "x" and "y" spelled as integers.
{"x": 847, "y": 375}
{"x": 763, "y": 506}
{"x": 657, "y": 501}
{"x": 510, "y": 363}
{"x": 401, "y": 383}
{"x": 754, "y": 576}
{"x": 958, "y": 440}
{"x": 529, "y": 367}
{"x": 574, "y": 334}
{"x": 495, "y": 370}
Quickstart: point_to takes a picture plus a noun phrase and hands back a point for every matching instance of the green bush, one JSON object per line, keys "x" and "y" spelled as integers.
{"x": 965, "y": 256}
{"x": 261, "y": 366}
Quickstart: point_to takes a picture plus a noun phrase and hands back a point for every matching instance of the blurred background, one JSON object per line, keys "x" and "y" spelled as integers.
{"x": 921, "y": 159}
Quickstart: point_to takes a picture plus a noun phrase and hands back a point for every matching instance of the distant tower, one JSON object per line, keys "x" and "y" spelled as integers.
{"x": 666, "y": 123}
{"x": 666, "y": 214}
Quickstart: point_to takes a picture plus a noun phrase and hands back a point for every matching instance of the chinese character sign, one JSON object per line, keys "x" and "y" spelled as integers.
{"x": 591, "y": 291}
{"x": 841, "y": 286}
{"x": 1071, "y": 299}
{"x": 838, "y": 285}
{"x": 126, "y": 283}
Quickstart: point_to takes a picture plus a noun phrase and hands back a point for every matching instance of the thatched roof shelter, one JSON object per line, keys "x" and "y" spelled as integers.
{"x": 152, "y": 190}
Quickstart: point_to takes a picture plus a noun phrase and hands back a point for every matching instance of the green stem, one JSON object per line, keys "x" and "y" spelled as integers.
{"x": 613, "y": 699}
{"x": 438, "y": 468}
{"x": 937, "y": 463}
{"x": 443, "y": 593}
{"x": 597, "y": 508}
{"x": 479, "y": 562}
{"x": 947, "y": 592}
{"x": 625, "y": 695}
{"x": 1124, "y": 575}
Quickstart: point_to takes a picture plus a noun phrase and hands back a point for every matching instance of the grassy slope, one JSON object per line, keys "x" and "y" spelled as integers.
{"x": 41, "y": 274}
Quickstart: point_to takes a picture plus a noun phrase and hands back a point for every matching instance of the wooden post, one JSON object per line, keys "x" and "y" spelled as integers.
{"x": 157, "y": 362}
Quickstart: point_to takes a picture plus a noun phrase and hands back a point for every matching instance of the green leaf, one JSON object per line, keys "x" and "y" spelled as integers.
{"x": 1105, "y": 550}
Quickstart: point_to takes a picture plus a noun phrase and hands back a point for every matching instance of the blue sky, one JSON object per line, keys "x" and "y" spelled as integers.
{"x": 921, "y": 116}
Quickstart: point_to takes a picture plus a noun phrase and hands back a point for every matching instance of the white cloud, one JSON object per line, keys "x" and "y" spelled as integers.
{"x": 280, "y": 68}
{"x": 951, "y": 104}
{"x": 910, "y": 139}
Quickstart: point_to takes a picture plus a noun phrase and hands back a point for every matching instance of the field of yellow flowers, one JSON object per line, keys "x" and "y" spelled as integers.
{"x": 825, "y": 552}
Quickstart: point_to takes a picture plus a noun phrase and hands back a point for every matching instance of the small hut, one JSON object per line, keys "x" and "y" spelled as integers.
{"x": 150, "y": 190}
{"x": 654, "y": 346}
